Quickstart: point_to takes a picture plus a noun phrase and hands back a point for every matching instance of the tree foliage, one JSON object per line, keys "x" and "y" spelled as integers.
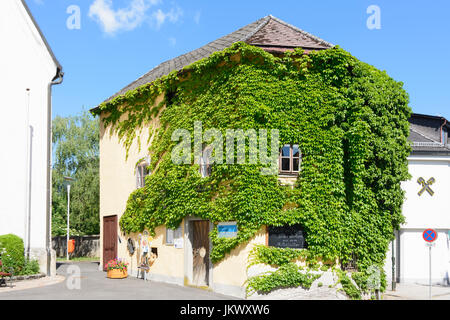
{"x": 76, "y": 154}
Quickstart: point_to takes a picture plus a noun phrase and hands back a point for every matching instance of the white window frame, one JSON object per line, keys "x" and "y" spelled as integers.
{"x": 172, "y": 234}
{"x": 291, "y": 160}
{"x": 141, "y": 172}
{"x": 205, "y": 162}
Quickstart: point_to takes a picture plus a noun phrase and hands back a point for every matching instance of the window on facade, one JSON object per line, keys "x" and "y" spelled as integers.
{"x": 290, "y": 159}
{"x": 205, "y": 162}
{"x": 172, "y": 234}
{"x": 141, "y": 172}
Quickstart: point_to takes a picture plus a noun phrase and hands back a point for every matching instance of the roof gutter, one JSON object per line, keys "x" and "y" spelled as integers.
{"x": 57, "y": 79}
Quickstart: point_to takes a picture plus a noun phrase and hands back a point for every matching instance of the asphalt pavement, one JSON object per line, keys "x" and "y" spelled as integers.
{"x": 83, "y": 281}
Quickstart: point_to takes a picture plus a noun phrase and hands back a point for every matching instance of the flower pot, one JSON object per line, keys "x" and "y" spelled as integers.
{"x": 117, "y": 274}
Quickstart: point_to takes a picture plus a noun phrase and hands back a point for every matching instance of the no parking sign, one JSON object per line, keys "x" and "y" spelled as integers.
{"x": 429, "y": 235}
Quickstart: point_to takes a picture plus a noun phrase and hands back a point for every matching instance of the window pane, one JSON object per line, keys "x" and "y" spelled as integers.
{"x": 285, "y": 164}
{"x": 169, "y": 236}
{"x": 296, "y": 165}
{"x": 205, "y": 162}
{"x": 203, "y": 170}
{"x": 295, "y": 151}
{"x": 139, "y": 177}
{"x": 286, "y": 151}
{"x": 177, "y": 234}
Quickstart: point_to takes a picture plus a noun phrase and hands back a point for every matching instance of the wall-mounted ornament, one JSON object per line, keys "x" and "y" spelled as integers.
{"x": 426, "y": 185}
{"x": 130, "y": 246}
{"x": 145, "y": 242}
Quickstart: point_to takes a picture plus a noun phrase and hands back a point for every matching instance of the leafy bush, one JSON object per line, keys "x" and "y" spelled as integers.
{"x": 13, "y": 253}
{"x": 349, "y": 288}
{"x": 287, "y": 276}
{"x": 31, "y": 267}
{"x": 275, "y": 256}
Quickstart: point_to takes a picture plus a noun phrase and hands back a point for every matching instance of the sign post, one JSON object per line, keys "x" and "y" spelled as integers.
{"x": 429, "y": 236}
{"x": 69, "y": 179}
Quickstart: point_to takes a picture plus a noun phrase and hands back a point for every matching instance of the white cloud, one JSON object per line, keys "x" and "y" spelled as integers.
{"x": 125, "y": 19}
{"x": 197, "y": 17}
{"x": 173, "y": 16}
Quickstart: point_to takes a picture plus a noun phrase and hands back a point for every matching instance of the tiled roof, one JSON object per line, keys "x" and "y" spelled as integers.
{"x": 278, "y": 33}
{"x": 424, "y": 129}
{"x": 269, "y": 33}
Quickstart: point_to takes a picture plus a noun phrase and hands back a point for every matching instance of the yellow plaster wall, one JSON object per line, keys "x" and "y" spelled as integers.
{"x": 117, "y": 173}
{"x": 170, "y": 261}
{"x": 232, "y": 270}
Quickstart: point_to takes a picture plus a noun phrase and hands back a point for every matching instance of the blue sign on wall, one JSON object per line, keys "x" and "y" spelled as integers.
{"x": 227, "y": 229}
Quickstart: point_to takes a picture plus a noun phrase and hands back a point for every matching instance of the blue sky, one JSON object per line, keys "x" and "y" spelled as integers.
{"x": 120, "y": 40}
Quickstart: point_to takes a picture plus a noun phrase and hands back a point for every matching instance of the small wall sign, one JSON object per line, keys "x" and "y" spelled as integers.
{"x": 227, "y": 229}
{"x": 178, "y": 243}
{"x": 426, "y": 185}
{"x": 287, "y": 237}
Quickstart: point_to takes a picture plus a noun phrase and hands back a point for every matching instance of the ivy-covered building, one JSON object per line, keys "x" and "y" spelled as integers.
{"x": 315, "y": 185}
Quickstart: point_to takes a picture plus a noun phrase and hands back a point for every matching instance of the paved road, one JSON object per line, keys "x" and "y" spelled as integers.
{"x": 95, "y": 286}
{"x": 406, "y": 291}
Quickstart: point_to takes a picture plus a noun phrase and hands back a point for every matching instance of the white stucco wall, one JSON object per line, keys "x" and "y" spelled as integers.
{"x": 423, "y": 212}
{"x": 25, "y": 63}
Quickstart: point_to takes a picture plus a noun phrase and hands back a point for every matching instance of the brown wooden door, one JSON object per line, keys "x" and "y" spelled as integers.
{"x": 200, "y": 253}
{"x": 109, "y": 239}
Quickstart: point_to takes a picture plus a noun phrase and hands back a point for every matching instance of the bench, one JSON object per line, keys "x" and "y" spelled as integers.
{"x": 143, "y": 269}
{"x": 4, "y": 275}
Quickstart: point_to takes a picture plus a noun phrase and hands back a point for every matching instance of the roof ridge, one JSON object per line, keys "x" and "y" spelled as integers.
{"x": 259, "y": 27}
{"x": 301, "y": 31}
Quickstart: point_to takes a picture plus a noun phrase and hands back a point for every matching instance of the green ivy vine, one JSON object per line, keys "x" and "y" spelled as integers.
{"x": 350, "y": 120}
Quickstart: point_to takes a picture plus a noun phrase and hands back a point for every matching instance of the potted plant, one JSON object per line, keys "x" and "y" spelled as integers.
{"x": 116, "y": 269}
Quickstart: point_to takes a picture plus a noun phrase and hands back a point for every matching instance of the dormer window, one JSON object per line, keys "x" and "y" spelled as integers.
{"x": 142, "y": 171}
{"x": 290, "y": 159}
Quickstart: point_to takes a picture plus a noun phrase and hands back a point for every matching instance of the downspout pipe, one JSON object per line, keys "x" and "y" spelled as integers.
{"x": 58, "y": 79}
{"x": 440, "y": 131}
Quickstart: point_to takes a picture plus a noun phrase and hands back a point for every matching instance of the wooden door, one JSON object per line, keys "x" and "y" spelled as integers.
{"x": 109, "y": 239}
{"x": 200, "y": 253}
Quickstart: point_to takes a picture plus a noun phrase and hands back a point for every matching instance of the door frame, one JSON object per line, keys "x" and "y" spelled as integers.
{"x": 188, "y": 256}
{"x": 104, "y": 239}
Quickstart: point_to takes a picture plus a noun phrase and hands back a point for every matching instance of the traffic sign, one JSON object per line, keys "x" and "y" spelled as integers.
{"x": 429, "y": 235}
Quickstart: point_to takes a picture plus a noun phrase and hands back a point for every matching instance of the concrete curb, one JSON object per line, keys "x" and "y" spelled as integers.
{"x": 29, "y": 277}
{"x": 33, "y": 283}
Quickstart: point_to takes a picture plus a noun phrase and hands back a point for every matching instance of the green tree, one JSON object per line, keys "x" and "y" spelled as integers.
{"x": 76, "y": 154}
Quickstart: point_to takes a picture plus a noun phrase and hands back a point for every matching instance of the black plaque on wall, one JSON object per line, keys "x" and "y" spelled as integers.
{"x": 287, "y": 237}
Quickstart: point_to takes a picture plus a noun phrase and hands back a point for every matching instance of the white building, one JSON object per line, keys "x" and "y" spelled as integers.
{"x": 426, "y": 206}
{"x": 28, "y": 70}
